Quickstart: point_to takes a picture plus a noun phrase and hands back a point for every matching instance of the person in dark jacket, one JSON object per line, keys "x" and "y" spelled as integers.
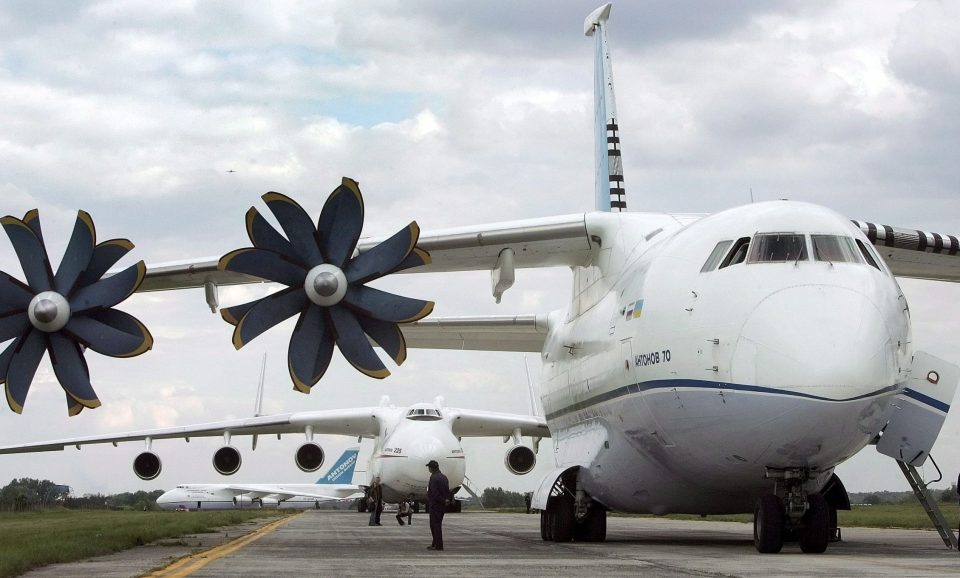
{"x": 375, "y": 502}
{"x": 438, "y": 494}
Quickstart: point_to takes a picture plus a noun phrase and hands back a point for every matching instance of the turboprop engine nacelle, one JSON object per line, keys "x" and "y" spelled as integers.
{"x": 520, "y": 460}
{"x": 309, "y": 457}
{"x": 147, "y": 466}
{"x": 227, "y": 461}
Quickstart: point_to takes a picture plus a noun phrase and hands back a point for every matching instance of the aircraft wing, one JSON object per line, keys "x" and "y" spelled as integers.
{"x": 542, "y": 242}
{"x": 914, "y": 253}
{"x": 475, "y": 423}
{"x": 362, "y": 421}
{"x": 285, "y": 493}
{"x": 481, "y": 333}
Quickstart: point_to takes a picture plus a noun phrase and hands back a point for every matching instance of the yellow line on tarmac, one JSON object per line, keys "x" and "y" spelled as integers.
{"x": 190, "y": 564}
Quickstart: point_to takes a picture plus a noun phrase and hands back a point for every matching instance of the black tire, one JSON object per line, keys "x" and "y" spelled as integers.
{"x": 593, "y": 528}
{"x": 544, "y": 524}
{"x": 361, "y": 505}
{"x": 562, "y": 520}
{"x": 815, "y": 532}
{"x": 416, "y": 507}
{"x": 768, "y": 525}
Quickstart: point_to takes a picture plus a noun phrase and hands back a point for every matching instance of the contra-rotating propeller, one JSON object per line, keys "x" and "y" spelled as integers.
{"x": 325, "y": 285}
{"x": 67, "y": 311}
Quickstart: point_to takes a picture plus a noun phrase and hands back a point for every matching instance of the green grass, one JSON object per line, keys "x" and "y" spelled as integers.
{"x": 32, "y": 539}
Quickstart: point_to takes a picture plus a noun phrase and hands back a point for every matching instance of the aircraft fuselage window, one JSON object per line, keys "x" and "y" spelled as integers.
{"x": 714, "y": 259}
{"x": 778, "y": 247}
{"x": 866, "y": 255}
{"x": 834, "y": 248}
{"x": 738, "y": 254}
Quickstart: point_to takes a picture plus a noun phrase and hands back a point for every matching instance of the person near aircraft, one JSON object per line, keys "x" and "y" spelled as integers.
{"x": 438, "y": 494}
{"x": 405, "y": 510}
{"x": 375, "y": 502}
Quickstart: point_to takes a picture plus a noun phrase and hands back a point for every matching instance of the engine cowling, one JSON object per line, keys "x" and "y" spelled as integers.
{"x": 309, "y": 457}
{"x": 227, "y": 460}
{"x": 147, "y": 466}
{"x": 520, "y": 460}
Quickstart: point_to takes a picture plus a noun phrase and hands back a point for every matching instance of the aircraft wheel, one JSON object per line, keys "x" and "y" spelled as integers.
{"x": 544, "y": 526}
{"x": 768, "y": 525}
{"x": 815, "y": 533}
{"x": 361, "y": 505}
{"x": 416, "y": 507}
{"x": 562, "y": 520}
{"x": 593, "y": 528}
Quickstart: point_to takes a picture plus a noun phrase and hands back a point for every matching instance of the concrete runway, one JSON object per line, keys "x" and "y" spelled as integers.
{"x": 324, "y": 543}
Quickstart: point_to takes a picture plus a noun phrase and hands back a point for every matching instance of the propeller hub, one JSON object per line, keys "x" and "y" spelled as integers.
{"x": 49, "y": 311}
{"x": 325, "y": 285}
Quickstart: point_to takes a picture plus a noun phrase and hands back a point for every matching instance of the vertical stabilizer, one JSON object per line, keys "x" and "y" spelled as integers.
{"x": 342, "y": 471}
{"x": 611, "y": 195}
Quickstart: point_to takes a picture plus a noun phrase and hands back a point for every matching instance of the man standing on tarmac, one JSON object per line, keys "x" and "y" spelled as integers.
{"x": 438, "y": 494}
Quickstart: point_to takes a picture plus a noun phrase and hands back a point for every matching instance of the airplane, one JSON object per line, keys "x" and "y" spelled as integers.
{"x": 332, "y": 486}
{"x": 705, "y": 364}
{"x": 405, "y": 439}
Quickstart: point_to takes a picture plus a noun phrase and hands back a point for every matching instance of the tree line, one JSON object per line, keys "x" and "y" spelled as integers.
{"x": 28, "y": 494}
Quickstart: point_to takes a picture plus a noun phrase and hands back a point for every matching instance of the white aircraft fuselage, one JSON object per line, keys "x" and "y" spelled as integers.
{"x": 675, "y": 389}
{"x": 221, "y": 497}
{"x": 406, "y": 443}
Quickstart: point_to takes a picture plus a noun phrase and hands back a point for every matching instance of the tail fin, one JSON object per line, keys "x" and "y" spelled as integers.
{"x": 342, "y": 471}
{"x": 611, "y": 196}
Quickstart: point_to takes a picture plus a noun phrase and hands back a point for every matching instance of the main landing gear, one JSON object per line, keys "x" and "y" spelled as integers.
{"x": 572, "y": 516}
{"x": 799, "y": 515}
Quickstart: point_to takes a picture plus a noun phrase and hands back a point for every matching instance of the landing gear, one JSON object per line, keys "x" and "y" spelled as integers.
{"x": 768, "y": 525}
{"x": 593, "y": 526}
{"x": 572, "y": 515}
{"x": 815, "y": 526}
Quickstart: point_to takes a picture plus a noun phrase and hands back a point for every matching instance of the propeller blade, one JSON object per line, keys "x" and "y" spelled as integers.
{"x": 32, "y": 220}
{"x": 15, "y": 398}
{"x": 73, "y": 408}
{"x": 386, "y": 306}
{"x": 311, "y": 347}
{"x": 341, "y": 220}
{"x": 110, "y": 291}
{"x": 264, "y": 236}
{"x": 354, "y": 345}
{"x": 5, "y": 358}
{"x": 388, "y": 336}
{"x": 267, "y": 312}
{"x": 418, "y": 257}
{"x": 110, "y": 332}
{"x": 14, "y": 295}
{"x": 13, "y": 325}
{"x": 31, "y": 252}
{"x": 264, "y": 263}
{"x": 77, "y": 256}
{"x": 23, "y": 366}
{"x": 105, "y": 255}
{"x": 383, "y": 258}
{"x": 298, "y": 226}
{"x": 233, "y": 315}
{"x": 71, "y": 370}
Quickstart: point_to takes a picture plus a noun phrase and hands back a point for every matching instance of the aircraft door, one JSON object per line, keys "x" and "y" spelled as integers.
{"x": 917, "y": 414}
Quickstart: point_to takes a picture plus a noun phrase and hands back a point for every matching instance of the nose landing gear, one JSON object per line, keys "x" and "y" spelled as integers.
{"x": 798, "y": 515}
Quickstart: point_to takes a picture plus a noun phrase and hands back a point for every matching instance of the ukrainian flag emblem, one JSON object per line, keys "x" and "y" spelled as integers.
{"x": 633, "y": 310}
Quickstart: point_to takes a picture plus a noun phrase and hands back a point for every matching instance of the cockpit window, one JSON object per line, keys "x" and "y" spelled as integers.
{"x": 866, "y": 254}
{"x": 738, "y": 253}
{"x": 714, "y": 259}
{"x": 835, "y": 249}
{"x": 778, "y": 247}
{"x": 423, "y": 414}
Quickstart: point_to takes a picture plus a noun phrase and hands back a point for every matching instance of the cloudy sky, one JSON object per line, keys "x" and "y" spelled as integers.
{"x": 450, "y": 113}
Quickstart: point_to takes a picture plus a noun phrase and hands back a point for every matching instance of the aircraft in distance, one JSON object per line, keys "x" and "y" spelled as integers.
{"x": 705, "y": 364}
{"x": 334, "y": 485}
{"x": 405, "y": 439}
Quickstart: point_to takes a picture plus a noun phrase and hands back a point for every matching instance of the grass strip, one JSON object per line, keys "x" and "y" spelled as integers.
{"x": 33, "y": 539}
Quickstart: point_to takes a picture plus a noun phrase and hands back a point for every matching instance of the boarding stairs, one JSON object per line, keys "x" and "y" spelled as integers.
{"x": 929, "y": 504}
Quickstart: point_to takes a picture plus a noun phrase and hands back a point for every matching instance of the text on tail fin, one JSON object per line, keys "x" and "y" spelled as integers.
{"x": 342, "y": 471}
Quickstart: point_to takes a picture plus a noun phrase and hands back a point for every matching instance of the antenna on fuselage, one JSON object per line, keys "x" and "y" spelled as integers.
{"x": 532, "y": 403}
{"x": 258, "y": 406}
{"x": 610, "y": 193}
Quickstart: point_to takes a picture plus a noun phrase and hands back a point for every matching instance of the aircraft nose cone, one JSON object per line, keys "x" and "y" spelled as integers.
{"x": 818, "y": 340}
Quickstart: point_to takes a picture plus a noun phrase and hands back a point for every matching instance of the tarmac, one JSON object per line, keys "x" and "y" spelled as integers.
{"x": 330, "y": 543}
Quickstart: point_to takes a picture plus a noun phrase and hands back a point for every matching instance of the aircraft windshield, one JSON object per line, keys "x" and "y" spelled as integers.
{"x": 423, "y": 414}
{"x": 834, "y": 249}
{"x": 777, "y": 247}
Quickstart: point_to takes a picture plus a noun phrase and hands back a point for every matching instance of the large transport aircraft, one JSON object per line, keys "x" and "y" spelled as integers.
{"x": 705, "y": 364}
{"x": 404, "y": 440}
{"x": 334, "y": 485}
